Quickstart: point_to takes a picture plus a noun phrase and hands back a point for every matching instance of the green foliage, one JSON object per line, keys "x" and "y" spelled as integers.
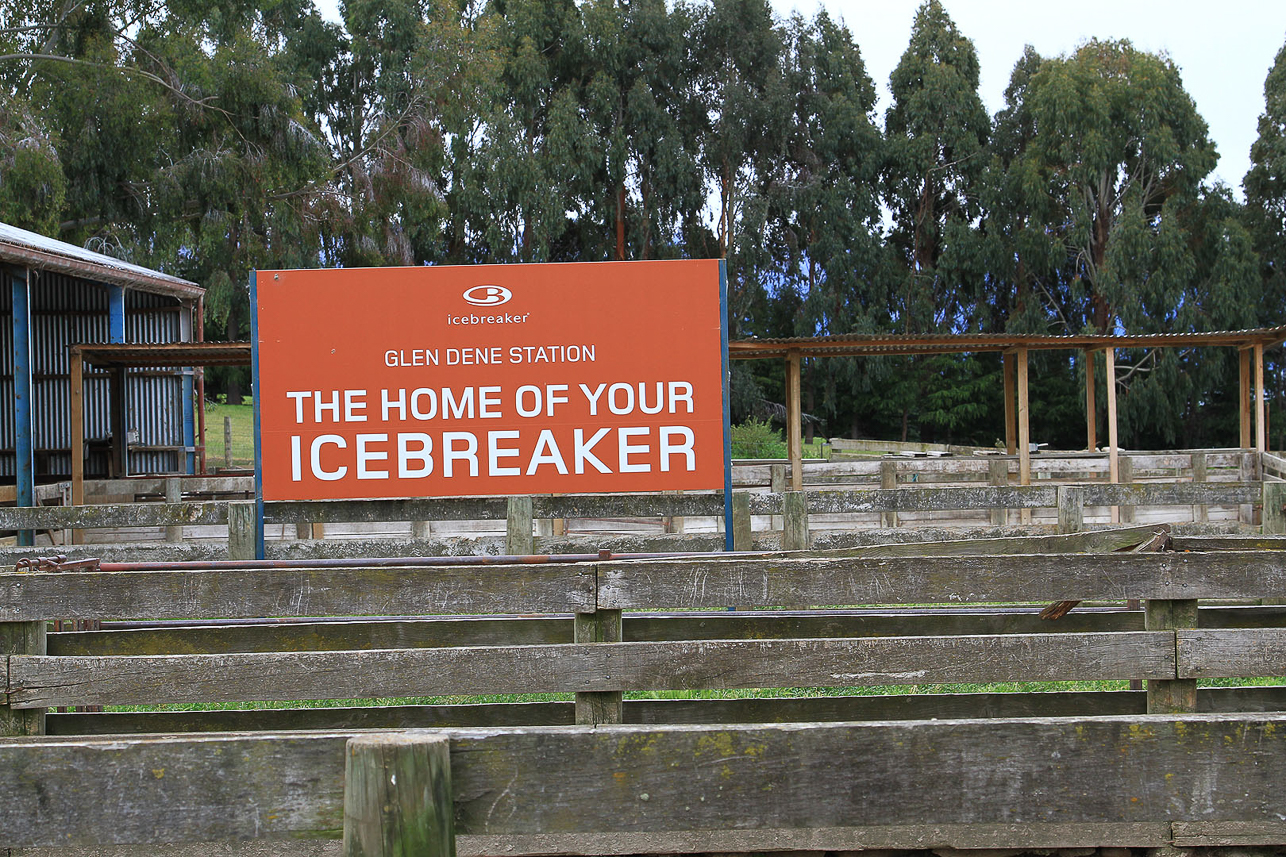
{"x": 211, "y": 139}
{"x": 757, "y": 439}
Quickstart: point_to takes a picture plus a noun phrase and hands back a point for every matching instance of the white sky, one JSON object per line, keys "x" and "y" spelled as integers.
{"x": 1223, "y": 49}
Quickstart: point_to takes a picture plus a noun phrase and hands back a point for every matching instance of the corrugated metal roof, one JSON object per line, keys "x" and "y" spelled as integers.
{"x": 166, "y": 354}
{"x": 891, "y": 344}
{"x": 32, "y": 250}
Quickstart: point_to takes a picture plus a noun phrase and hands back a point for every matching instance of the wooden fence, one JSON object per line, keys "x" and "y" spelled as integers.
{"x": 793, "y": 513}
{"x": 691, "y": 775}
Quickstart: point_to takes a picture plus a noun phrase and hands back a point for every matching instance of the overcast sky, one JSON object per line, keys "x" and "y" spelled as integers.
{"x": 1223, "y": 49}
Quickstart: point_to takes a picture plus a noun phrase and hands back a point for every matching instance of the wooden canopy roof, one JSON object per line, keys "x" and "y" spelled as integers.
{"x": 140, "y": 355}
{"x": 890, "y": 345}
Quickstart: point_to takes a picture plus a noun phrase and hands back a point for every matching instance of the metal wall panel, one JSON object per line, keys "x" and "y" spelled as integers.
{"x": 67, "y": 311}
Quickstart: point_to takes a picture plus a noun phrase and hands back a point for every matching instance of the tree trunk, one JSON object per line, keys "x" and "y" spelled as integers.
{"x": 620, "y": 222}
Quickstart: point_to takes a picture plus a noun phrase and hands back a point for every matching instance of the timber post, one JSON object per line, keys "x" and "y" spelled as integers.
{"x": 794, "y": 532}
{"x": 241, "y": 529}
{"x": 518, "y": 527}
{"x": 1200, "y": 512}
{"x": 777, "y": 485}
{"x": 1178, "y": 695}
{"x": 227, "y": 443}
{"x": 596, "y": 708}
{"x": 21, "y": 638}
{"x": 888, "y": 480}
{"x": 397, "y": 796}
{"x": 1250, "y": 469}
{"x": 1274, "y": 517}
{"x": 1071, "y": 508}
{"x": 1126, "y": 468}
{"x": 998, "y": 475}
{"x": 174, "y": 494}
{"x": 743, "y": 538}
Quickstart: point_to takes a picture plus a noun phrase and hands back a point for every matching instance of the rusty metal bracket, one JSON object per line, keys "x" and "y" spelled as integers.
{"x": 55, "y": 563}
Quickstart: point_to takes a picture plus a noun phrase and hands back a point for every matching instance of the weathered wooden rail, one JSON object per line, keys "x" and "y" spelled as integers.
{"x": 520, "y": 514}
{"x": 1157, "y": 773}
{"x": 670, "y": 783}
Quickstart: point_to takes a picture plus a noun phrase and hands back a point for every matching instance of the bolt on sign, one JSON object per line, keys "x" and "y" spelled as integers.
{"x": 490, "y": 380}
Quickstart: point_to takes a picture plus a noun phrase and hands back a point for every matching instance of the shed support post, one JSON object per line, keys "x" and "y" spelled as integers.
{"x": 794, "y": 423}
{"x": 77, "y": 437}
{"x": 1091, "y": 405}
{"x": 1261, "y": 409}
{"x": 1243, "y": 398}
{"x": 1024, "y": 430}
{"x": 24, "y": 443}
{"x": 118, "y": 397}
{"x": 187, "y": 458}
{"x": 1113, "y": 452}
{"x": 1011, "y": 436}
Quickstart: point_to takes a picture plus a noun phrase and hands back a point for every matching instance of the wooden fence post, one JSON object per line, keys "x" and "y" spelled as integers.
{"x": 602, "y": 626}
{"x": 1174, "y": 696}
{"x": 174, "y": 494}
{"x": 998, "y": 475}
{"x": 794, "y": 532}
{"x": 227, "y": 443}
{"x": 743, "y": 538}
{"x": 777, "y": 485}
{"x": 421, "y": 529}
{"x": 888, "y": 479}
{"x": 1071, "y": 508}
{"x": 1248, "y": 471}
{"x": 397, "y": 796}
{"x": 241, "y": 529}
{"x": 518, "y": 527}
{"x": 1126, "y": 470}
{"x": 21, "y": 638}
{"x": 1200, "y": 512}
{"x": 1274, "y": 494}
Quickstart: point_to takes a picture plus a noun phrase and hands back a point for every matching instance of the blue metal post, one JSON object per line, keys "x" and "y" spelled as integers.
{"x": 118, "y": 400}
{"x": 25, "y": 468}
{"x": 115, "y": 314}
{"x": 188, "y": 465}
{"x": 727, "y": 411}
{"x": 254, "y": 394}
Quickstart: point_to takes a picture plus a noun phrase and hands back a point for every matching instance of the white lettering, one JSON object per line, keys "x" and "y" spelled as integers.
{"x": 405, "y": 455}
{"x": 626, "y": 449}
{"x": 450, "y": 454}
{"x": 365, "y": 456}
{"x": 668, "y": 449}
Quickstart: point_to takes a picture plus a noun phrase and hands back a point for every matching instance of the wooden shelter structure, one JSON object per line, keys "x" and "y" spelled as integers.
{"x": 119, "y": 357}
{"x": 1250, "y": 345}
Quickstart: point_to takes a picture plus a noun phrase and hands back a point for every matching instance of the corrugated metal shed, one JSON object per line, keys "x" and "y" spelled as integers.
{"x": 67, "y": 295}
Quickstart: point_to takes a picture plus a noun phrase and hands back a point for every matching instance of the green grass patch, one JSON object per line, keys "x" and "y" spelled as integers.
{"x": 758, "y": 439}
{"x": 241, "y": 419}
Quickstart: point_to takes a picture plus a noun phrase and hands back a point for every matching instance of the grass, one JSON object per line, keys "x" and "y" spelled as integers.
{"x": 242, "y": 420}
{"x": 737, "y": 693}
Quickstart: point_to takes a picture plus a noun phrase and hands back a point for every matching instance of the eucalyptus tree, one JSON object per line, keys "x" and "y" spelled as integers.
{"x": 937, "y": 130}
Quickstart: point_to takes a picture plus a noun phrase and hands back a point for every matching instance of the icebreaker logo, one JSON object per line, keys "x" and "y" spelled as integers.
{"x": 488, "y": 295}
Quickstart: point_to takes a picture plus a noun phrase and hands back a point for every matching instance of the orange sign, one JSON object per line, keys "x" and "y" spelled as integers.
{"x": 490, "y": 380}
